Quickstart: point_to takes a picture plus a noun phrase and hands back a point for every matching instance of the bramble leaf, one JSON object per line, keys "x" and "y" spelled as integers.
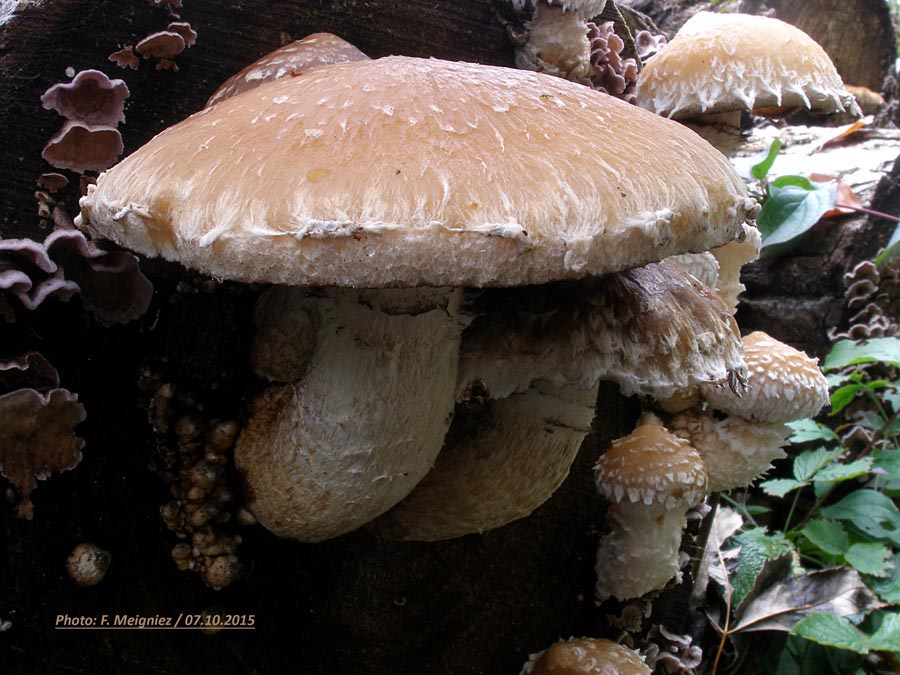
{"x": 870, "y": 512}
{"x": 804, "y": 431}
{"x": 848, "y": 353}
{"x": 827, "y": 536}
{"x": 870, "y": 557}
{"x": 834, "y": 631}
{"x": 779, "y": 487}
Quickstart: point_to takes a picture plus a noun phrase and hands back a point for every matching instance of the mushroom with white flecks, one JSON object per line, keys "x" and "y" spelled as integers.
{"x": 652, "y": 478}
{"x": 720, "y": 63}
{"x": 374, "y": 192}
{"x": 586, "y": 656}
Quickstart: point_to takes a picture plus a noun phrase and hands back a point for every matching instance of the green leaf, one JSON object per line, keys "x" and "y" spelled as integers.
{"x": 870, "y": 557}
{"x": 889, "y": 462}
{"x": 827, "y": 536}
{"x": 793, "y": 209}
{"x": 843, "y": 396}
{"x": 869, "y": 512}
{"x": 804, "y": 431}
{"x": 888, "y": 589}
{"x": 808, "y": 463}
{"x": 887, "y": 637}
{"x": 892, "y": 250}
{"x": 792, "y": 181}
{"x": 833, "y": 631}
{"x": 849, "y": 353}
{"x": 761, "y": 170}
{"x": 756, "y": 548}
{"x": 779, "y": 487}
{"x": 837, "y": 473}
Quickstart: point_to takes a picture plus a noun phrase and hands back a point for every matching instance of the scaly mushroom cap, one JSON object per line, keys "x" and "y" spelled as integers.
{"x": 586, "y": 656}
{"x": 296, "y": 58}
{"x": 404, "y": 171}
{"x": 735, "y": 451}
{"x": 783, "y": 384}
{"x": 723, "y": 62}
{"x": 651, "y": 466}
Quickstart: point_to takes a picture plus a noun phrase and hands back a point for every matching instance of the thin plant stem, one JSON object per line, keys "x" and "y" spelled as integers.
{"x": 877, "y": 214}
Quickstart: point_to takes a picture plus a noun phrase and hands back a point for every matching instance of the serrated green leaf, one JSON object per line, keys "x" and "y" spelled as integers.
{"x": 872, "y": 558}
{"x": 756, "y": 548}
{"x": 804, "y": 431}
{"x": 848, "y": 353}
{"x": 887, "y": 637}
{"x": 761, "y": 170}
{"x": 843, "y": 396}
{"x": 779, "y": 487}
{"x": 833, "y": 631}
{"x": 869, "y": 512}
{"x": 888, "y": 589}
{"x": 827, "y": 535}
{"x": 793, "y": 209}
{"x": 808, "y": 463}
{"x": 837, "y": 473}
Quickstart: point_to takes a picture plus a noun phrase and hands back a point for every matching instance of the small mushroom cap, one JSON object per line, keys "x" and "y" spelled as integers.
{"x": 651, "y": 465}
{"x": 783, "y": 384}
{"x": 586, "y": 656}
{"x": 91, "y": 97}
{"x": 296, "y": 58}
{"x": 403, "y": 171}
{"x": 723, "y": 62}
{"x": 164, "y": 44}
{"x": 84, "y": 147}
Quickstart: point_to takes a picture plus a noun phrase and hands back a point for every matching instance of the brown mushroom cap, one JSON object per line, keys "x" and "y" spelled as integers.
{"x": 404, "y": 171}
{"x": 783, "y": 384}
{"x": 586, "y": 656}
{"x": 651, "y": 466}
{"x": 296, "y": 58}
{"x": 723, "y": 62}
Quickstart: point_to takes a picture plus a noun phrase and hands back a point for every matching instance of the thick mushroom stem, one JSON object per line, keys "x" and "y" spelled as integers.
{"x": 363, "y": 424}
{"x": 640, "y": 554}
{"x": 523, "y": 444}
{"x": 557, "y": 43}
{"x": 652, "y": 478}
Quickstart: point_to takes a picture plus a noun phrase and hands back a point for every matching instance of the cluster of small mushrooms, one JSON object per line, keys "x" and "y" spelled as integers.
{"x": 458, "y": 255}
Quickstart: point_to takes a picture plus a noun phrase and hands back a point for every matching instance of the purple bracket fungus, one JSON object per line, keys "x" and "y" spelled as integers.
{"x": 652, "y": 478}
{"x": 296, "y": 58}
{"x": 161, "y": 45}
{"x": 586, "y": 656}
{"x": 37, "y": 438}
{"x": 726, "y": 63}
{"x": 647, "y": 44}
{"x": 111, "y": 284}
{"x": 31, "y": 370}
{"x": 183, "y": 28}
{"x": 91, "y": 98}
{"x": 52, "y": 182}
{"x": 125, "y": 57}
{"x": 555, "y": 39}
{"x": 653, "y": 330}
{"x": 783, "y": 384}
{"x": 417, "y": 173}
{"x": 84, "y": 147}
{"x": 609, "y": 72}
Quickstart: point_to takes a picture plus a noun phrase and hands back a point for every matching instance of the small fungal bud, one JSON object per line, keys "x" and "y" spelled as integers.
{"x": 222, "y": 571}
{"x": 87, "y": 564}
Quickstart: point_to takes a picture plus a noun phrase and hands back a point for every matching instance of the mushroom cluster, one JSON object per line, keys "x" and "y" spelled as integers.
{"x": 373, "y": 194}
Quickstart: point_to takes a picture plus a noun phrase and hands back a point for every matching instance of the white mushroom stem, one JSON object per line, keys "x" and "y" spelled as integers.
{"x": 510, "y": 463}
{"x": 640, "y": 554}
{"x": 735, "y": 451}
{"x": 731, "y": 258}
{"x": 363, "y": 424}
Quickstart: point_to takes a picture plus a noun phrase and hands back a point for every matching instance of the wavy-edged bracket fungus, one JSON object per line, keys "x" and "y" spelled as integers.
{"x": 399, "y": 173}
{"x": 721, "y": 63}
{"x": 783, "y": 385}
{"x": 653, "y": 330}
{"x": 298, "y": 57}
{"x": 90, "y": 97}
{"x": 586, "y": 656}
{"x": 653, "y": 478}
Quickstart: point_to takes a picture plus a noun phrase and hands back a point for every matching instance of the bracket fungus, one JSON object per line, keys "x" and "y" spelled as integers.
{"x": 378, "y": 190}
{"x": 81, "y": 147}
{"x": 90, "y": 97}
{"x": 653, "y": 478}
{"x": 725, "y": 63}
{"x": 586, "y": 656}
{"x": 296, "y": 58}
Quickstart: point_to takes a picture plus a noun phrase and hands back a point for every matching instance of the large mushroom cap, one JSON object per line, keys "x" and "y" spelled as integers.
{"x": 586, "y": 656}
{"x": 723, "y": 62}
{"x": 404, "y": 171}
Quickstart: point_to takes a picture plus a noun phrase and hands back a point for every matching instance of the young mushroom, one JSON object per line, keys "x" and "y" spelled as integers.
{"x": 723, "y": 64}
{"x": 586, "y": 656}
{"x": 397, "y": 174}
{"x": 652, "y": 478}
